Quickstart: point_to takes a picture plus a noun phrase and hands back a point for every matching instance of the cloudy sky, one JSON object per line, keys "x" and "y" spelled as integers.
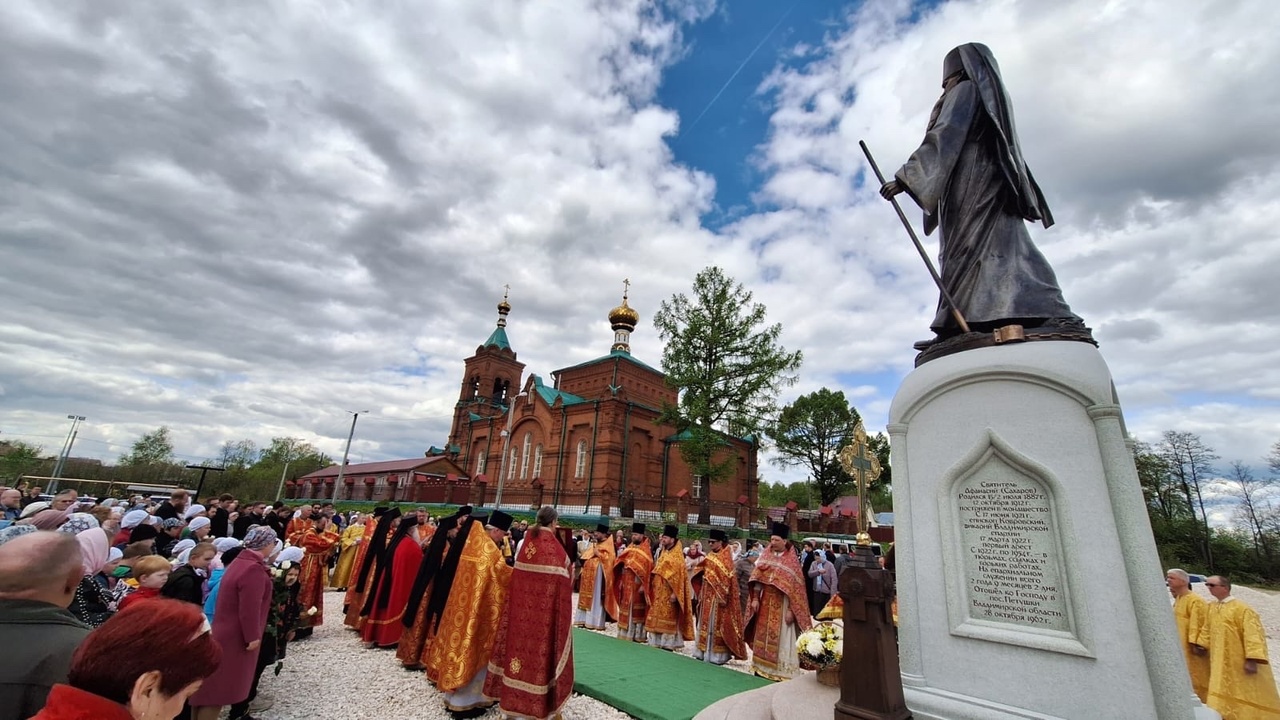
{"x": 243, "y": 220}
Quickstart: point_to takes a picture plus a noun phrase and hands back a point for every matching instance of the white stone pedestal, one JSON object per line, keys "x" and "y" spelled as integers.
{"x": 1028, "y": 580}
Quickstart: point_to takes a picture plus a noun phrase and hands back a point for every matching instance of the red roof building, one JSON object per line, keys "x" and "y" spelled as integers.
{"x": 433, "y": 478}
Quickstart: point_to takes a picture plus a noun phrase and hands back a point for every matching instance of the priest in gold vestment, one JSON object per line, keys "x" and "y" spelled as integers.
{"x": 1241, "y": 685}
{"x": 349, "y": 546}
{"x": 596, "y": 603}
{"x": 631, "y": 585}
{"x": 719, "y": 633}
{"x": 458, "y": 656}
{"x": 366, "y": 563}
{"x": 1189, "y": 611}
{"x": 778, "y": 610}
{"x": 669, "y": 621}
{"x": 412, "y": 650}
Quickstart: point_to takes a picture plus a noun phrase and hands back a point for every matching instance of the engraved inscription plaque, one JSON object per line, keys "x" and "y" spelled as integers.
{"x": 1012, "y": 564}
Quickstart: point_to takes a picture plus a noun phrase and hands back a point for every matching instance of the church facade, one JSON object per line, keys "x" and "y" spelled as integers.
{"x": 590, "y": 440}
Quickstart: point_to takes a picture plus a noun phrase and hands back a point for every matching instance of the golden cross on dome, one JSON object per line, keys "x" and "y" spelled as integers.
{"x": 626, "y": 287}
{"x": 506, "y": 291}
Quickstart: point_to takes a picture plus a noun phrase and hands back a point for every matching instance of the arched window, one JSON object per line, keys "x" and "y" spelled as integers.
{"x": 524, "y": 455}
{"x": 480, "y": 462}
{"x": 475, "y": 387}
{"x": 537, "y": 461}
{"x": 511, "y": 465}
{"x": 581, "y": 469}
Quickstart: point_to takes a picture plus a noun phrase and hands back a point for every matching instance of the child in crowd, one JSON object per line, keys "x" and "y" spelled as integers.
{"x": 186, "y": 582}
{"x": 151, "y": 572}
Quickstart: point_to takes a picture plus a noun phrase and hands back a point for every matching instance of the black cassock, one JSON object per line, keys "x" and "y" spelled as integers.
{"x": 969, "y": 178}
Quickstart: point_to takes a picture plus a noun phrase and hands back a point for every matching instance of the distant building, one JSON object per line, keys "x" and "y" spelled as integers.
{"x": 590, "y": 440}
{"x": 414, "y": 480}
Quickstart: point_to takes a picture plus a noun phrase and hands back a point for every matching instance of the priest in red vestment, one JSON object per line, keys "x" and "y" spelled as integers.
{"x": 720, "y": 632}
{"x": 669, "y": 621}
{"x": 385, "y": 602}
{"x": 631, "y": 585}
{"x": 778, "y": 610}
{"x": 531, "y": 670}
{"x": 317, "y": 541}
{"x": 413, "y": 643}
{"x": 376, "y": 546}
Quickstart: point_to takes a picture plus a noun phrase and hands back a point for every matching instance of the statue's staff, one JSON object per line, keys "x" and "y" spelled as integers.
{"x": 955, "y": 311}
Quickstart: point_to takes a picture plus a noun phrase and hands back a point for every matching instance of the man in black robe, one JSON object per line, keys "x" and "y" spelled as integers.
{"x": 970, "y": 179}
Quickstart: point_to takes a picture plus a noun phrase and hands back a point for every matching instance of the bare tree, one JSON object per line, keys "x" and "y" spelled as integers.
{"x": 1254, "y": 507}
{"x": 1190, "y": 462}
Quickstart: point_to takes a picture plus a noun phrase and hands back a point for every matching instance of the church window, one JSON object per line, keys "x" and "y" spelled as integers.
{"x": 537, "y": 461}
{"x": 511, "y": 465}
{"x": 581, "y": 468}
{"x": 524, "y": 455}
{"x": 480, "y": 462}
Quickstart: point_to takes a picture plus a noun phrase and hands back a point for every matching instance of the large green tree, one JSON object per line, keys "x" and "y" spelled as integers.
{"x": 729, "y": 367}
{"x": 153, "y": 448}
{"x": 18, "y": 458}
{"x": 810, "y": 432}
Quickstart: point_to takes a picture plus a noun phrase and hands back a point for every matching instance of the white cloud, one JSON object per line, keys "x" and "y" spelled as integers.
{"x": 245, "y": 222}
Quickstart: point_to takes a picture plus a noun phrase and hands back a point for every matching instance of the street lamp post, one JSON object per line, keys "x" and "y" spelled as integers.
{"x": 66, "y": 450}
{"x": 506, "y": 445}
{"x": 342, "y": 469}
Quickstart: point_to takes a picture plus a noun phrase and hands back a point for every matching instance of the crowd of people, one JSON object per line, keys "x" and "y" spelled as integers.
{"x": 481, "y": 604}
{"x": 76, "y": 574}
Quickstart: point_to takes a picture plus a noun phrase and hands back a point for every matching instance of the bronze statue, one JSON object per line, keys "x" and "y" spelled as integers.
{"x": 970, "y": 179}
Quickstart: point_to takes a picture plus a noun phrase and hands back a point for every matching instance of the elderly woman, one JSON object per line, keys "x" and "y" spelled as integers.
{"x": 120, "y": 672}
{"x": 244, "y": 597}
{"x": 92, "y": 603}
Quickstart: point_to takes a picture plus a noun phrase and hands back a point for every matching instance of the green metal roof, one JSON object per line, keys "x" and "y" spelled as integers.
{"x": 612, "y": 354}
{"x": 498, "y": 339}
{"x": 549, "y": 394}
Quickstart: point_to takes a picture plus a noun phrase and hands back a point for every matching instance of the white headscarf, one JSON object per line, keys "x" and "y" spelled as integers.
{"x": 183, "y": 546}
{"x": 193, "y": 511}
{"x": 33, "y": 508}
{"x": 292, "y": 554}
{"x": 134, "y": 518}
{"x": 225, "y": 544}
{"x": 197, "y": 523}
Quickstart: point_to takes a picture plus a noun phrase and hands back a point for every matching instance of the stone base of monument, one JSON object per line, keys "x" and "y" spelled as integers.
{"x": 799, "y": 699}
{"x": 1028, "y": 581}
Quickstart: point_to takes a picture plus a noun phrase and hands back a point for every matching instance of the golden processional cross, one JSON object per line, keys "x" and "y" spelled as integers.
{"x": 863, "y": 466}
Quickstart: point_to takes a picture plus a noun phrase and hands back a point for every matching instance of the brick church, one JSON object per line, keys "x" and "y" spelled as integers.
{"x": 589, "y": 441}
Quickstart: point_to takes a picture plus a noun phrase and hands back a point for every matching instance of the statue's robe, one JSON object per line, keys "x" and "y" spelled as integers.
{"x": 1232, "y": 632}
{"x": 458, "y": 656}
{"x": 969, "y": 178}
{"x": 720, "y": 631}
{"x": 531, "y": 671}
{"x": 631, "y": 590}
{"x": 779, "y": 583}
{"x": 1189, "y": 612}
{"x": 596, "y": 603}
{"x": 349, "y": 545}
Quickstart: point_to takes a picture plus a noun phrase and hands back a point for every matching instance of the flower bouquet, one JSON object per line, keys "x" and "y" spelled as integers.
{"x": 821, "y": 648}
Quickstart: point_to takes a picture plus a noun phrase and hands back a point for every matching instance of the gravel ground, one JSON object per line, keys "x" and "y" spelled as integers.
{"x": 332, "y": 675}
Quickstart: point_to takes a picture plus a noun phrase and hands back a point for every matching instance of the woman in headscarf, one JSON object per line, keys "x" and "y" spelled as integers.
{"x": 47, "y": 519}
{"x": 182, "y": 546}
{"x": 282, "y": 622}
{"x": 186, "y": 582}
{"x": 92, "y": 604}
{"x": 197, "y": 529}
{"x": 79, "y": 522}
{"x": 244, "y": 598}
{"x": 292, "y": 555}
{"x": 15, "y": 531}
{"x": 385, "y": 603}
{"x": 131, "y": 520}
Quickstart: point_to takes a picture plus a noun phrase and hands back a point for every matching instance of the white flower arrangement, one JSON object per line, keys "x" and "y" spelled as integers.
{"x": 821, "y": 646}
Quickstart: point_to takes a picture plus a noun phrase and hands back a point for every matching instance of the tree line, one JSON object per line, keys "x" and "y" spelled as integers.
{"x": 248, "y": 471}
